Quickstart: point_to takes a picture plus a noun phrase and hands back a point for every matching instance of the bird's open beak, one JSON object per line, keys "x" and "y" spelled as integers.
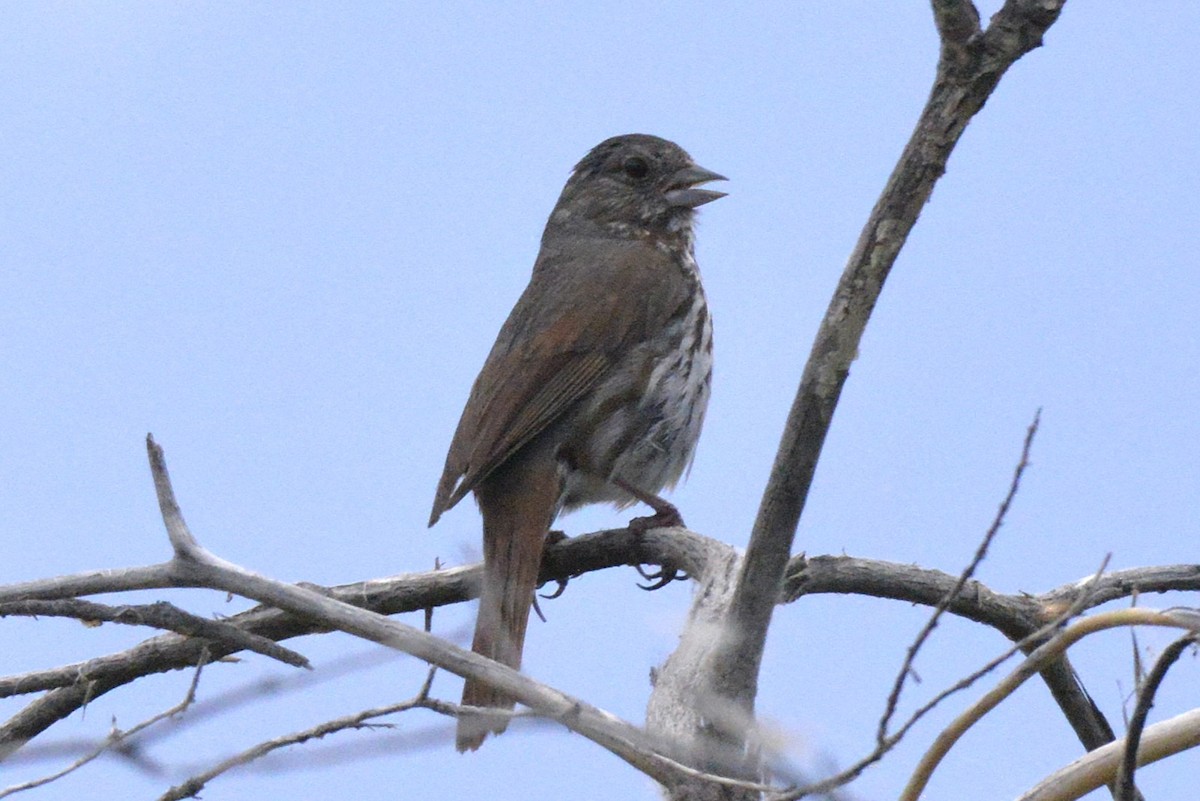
{"x": 683, "y": 191}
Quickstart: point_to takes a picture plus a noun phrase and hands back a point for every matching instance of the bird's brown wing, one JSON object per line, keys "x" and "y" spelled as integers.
{"x": 571, "y": 325}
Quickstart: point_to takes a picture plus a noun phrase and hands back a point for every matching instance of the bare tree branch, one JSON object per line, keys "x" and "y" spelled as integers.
{"x": 197, "y": 567}
{"x": 160, "y": 615}
{"x": 970, "y": 68}
{"x": 409, "y": 592}
{"x": 1044, "y": 654}
{"x": 78, "y": 683}
{"x": 114, "y": 739}
{"x": 1129, "y": 583}
{"x": 194, "y": 784}
{"x": 679, "y": 706}
{"x": 1013, "y": 615}
{"x": 1015, "y": 612}
{"x": 885, "y": 741}
{"x": 359, "y": 720}
{"x": 124, "y": 579}
{"x": 1146, "y": 693}
{"x": 1097, "y": 768}
{"x": 957, "y": 24}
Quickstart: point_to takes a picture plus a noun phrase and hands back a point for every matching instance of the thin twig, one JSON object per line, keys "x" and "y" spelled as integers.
{"x": 963, "y": 578}
{"x": 358, "y": 720}
{"x": 177, "y": 530}
{"x": 1149, "y": 687}
{"x": 115, "y": 738}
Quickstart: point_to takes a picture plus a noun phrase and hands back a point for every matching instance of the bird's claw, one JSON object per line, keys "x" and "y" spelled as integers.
{"x": 562, "y": 587}
{"x": 661, "y": 578}
{"x": 537, "y": 609}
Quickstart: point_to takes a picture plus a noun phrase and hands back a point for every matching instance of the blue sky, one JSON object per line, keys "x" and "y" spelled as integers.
{"x": 282, "y": 237}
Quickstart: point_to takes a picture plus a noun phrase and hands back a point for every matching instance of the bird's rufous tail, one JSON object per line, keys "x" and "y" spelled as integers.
{"x": 517, "y": 503}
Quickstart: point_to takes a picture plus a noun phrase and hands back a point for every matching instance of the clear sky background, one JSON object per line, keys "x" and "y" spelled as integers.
{"x": 281, "y": 237}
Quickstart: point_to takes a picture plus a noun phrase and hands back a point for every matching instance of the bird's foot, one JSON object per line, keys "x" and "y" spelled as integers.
{"x": 665, "y": 514}
{"x": 666, "y": 517}
{"x": 553, "y": 537}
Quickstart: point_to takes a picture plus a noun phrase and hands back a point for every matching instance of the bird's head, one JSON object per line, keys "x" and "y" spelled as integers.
{"x": 635, "y": 185}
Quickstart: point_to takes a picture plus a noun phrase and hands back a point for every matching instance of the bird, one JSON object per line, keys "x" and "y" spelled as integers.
{"x": 596, "y": 388}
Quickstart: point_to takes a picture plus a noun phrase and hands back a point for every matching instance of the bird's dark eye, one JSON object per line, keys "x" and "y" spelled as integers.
{"x": 636, "y": 167}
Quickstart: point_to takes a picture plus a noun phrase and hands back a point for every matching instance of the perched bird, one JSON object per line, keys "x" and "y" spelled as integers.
{"x": 596, "y": 387}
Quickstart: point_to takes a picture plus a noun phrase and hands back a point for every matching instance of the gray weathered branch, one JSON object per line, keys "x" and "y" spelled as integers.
{"x": 1013, "y": 615}
{"x": 971, "y": 64}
